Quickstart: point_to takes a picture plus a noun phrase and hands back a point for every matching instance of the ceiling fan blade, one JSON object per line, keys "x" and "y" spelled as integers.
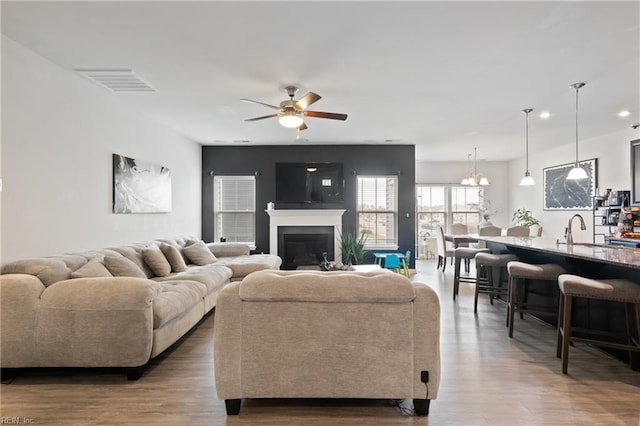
{"x": 307, "y": 100}
{"x": 331, "y": 115}
{"x": 261, "y": 118}
{"x": 261, "y": 103}
{"x": 303, "y": 126}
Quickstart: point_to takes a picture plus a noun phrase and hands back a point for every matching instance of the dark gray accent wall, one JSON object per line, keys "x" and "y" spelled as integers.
{"x": 357, "y": 159}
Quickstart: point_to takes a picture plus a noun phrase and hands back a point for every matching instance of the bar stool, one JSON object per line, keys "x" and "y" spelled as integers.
{"x": 486, "y": 264}
{"x": 521, "y": 272}
{"x": 467, "y": 254}
{"x": 615, "y": 290}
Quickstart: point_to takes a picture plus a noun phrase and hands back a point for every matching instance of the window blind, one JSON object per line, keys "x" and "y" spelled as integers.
{"x": 377, "y": 209}
{"x": 234, "y": 208}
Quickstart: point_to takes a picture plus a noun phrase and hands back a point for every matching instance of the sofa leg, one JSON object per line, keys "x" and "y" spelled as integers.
{"x": 421, "y": 406}
{"x": 233, "y": 406}
{"x": 134, "y": 373}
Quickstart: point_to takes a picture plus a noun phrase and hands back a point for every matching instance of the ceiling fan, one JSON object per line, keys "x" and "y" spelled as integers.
{"x": 290, "y": 112}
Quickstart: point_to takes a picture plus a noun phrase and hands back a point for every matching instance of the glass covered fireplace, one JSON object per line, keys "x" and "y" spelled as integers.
{"x": 302, "y": 247}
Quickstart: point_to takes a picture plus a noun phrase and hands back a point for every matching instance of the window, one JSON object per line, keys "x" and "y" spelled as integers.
{"x": 377, "y": 210}
{"x": 446, "y": 204}
{"x": 465, "y": 206}
{"x": 431, "y": 204}
{"x": 234, "y": 208}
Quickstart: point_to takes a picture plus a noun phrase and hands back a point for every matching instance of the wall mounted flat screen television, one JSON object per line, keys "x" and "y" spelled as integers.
{"x": 309, "y": 183}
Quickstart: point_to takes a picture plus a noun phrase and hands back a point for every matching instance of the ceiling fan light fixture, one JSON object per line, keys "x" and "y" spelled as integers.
{"x": 290, "y": 120}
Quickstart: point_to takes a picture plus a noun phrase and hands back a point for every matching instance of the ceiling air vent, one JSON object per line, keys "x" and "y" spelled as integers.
{"x": 117, "y": 80}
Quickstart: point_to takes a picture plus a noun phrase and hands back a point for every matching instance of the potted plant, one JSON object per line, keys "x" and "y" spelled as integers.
{"x": 352, "y": 247}
{"x": 524, "y": 217}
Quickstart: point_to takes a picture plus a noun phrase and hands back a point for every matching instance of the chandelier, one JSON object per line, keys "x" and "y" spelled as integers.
{"x": 474, "y": 179}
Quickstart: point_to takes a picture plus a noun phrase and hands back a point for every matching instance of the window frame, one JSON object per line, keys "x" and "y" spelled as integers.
{"x": 369, "y": 245}
{"x": 449, "y": 213}
{"x": 218, "y": 210}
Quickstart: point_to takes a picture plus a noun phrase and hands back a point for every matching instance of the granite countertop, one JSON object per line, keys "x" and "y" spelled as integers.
{"x": 615, "y": 255}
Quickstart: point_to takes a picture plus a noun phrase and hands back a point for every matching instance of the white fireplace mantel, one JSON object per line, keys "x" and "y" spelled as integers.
{"x": 320, "y": 217}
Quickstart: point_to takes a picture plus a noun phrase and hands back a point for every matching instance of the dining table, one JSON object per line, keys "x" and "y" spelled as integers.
{"x": 458, "y": 239}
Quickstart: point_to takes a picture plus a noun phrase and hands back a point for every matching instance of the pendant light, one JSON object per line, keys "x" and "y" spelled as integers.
{"x": 577, "y": 172}
{"x": 527, "y": 180}
{"x": 475, "y": 179}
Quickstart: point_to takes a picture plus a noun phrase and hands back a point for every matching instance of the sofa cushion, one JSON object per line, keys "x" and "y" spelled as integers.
{"x": 91, "y": 269}
{"x": 228, "y": 249}
{"x": 212, "y": 276}
{"x": 175, "y": 259}
{"x": 337, "y": 286}
{"x": 199, "y": 253}
{"x": 120, "y": 266}
{"x": 244, "y": 265}
{"x": 157, "y": 262}
{"x": 135, "y": 255}
{"x": 175, "y": 298}
{"x": 48, "y": 269}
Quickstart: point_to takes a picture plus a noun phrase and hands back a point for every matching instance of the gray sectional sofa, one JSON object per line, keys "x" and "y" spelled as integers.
{"x": 117, "y": 307}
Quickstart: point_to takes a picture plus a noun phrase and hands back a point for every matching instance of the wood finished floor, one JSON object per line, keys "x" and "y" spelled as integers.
{"x": 487, "y": 379}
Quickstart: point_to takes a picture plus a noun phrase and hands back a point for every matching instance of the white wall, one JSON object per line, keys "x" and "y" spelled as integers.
{"x": 613, "y": 152}
{"x": 453, "y": 172}
{"x": 59, "y": 132}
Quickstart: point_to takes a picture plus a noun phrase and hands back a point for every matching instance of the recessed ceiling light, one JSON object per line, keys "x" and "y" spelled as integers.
{"x": 545, "y": 114}
{"x": 624, "y": 113}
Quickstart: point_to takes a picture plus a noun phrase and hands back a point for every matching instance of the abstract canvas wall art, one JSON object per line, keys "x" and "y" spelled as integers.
{"x": 140, "y": 187}
{"x": 561, "y": 193}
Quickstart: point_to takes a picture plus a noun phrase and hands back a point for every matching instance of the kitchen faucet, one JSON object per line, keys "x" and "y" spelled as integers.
{"x": 568, "y": 235}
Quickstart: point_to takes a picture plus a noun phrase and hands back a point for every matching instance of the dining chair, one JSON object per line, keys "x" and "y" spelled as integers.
{"x": 460, "y": 229}
{"x": 518, "y": 231}
{"x": 392, "y": 261}
{"x": 443, "y": 251}
{"x": 488, "y": 231}
{"x": 405, "y": 263}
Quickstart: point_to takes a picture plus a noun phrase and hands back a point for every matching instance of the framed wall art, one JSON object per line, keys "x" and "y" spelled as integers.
{"x": 140, "y": 187}
{"x": 561, "y": 193}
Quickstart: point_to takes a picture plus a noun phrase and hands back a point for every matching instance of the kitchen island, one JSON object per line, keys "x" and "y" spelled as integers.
{"x": 596, "y": 261}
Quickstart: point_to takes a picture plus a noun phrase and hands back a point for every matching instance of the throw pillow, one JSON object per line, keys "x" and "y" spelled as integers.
{"x": 199, "y": 253}
{"x": 155, "y": 260}
{"x": 91, "y": 269}
{"x": 120, "y": 266}
{"x": 174, "y": 257}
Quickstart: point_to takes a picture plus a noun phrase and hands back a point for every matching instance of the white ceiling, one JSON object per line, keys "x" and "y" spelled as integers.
{"x": 445, "y": 76}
